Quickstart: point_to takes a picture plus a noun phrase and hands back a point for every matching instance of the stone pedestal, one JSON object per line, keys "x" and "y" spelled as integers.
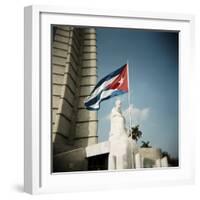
{"x": 164, "y": 162}
{"x": 158, "y": 163}
{"x": 138, "y": 162}
{"x": 121, "y": 155}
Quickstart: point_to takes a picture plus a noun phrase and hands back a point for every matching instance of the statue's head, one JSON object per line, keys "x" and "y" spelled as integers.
{"x": 118, "y": 104}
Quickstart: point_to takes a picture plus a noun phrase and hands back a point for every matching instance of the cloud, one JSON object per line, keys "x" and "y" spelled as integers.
{"x": 138, "y": 115}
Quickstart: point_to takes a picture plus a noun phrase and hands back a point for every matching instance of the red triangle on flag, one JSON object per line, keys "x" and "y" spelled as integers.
{"x": 121, "y": 82}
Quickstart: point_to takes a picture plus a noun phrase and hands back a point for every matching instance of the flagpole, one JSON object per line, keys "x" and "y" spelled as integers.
{"x": 129, "y": 97}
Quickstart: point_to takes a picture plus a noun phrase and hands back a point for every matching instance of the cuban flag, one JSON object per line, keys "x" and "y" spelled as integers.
{"x": 114, "y": 84}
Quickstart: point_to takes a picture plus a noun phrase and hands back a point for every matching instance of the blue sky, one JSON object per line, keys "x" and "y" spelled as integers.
{"x": 153, "y": 62}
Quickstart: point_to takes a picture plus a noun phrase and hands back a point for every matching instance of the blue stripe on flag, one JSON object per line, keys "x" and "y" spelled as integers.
{"x": 109, "y": 76}
{"x": 94, "y": 100}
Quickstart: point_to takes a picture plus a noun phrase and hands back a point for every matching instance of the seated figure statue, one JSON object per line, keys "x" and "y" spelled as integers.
{"x": 121, "y": 147}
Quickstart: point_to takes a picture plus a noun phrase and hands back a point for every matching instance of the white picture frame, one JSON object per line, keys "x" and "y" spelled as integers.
{"x": 37, "y": 134}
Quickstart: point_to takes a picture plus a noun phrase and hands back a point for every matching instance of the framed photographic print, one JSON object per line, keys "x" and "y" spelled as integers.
{"x": 106, "y": 99}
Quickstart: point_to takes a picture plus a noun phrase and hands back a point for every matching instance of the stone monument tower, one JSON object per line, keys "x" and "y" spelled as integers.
{"x": 74, "y": 74}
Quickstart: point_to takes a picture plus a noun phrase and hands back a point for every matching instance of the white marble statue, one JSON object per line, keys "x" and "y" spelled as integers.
{"x": 121, "y": 146}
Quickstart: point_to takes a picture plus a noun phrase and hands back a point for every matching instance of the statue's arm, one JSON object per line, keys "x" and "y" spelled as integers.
{"x": 115, "y": 114}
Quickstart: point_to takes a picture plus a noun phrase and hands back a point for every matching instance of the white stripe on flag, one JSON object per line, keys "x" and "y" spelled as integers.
{"x": 100, "y": 88}
{"x": 103, "y": 95}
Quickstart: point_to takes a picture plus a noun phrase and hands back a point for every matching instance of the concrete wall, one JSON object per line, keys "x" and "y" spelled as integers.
{"x": 74, "y": 160}
{"x": 149, "y": 156}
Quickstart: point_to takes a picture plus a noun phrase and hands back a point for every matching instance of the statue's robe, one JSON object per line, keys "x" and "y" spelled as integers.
{"x": 121, "y": 146}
